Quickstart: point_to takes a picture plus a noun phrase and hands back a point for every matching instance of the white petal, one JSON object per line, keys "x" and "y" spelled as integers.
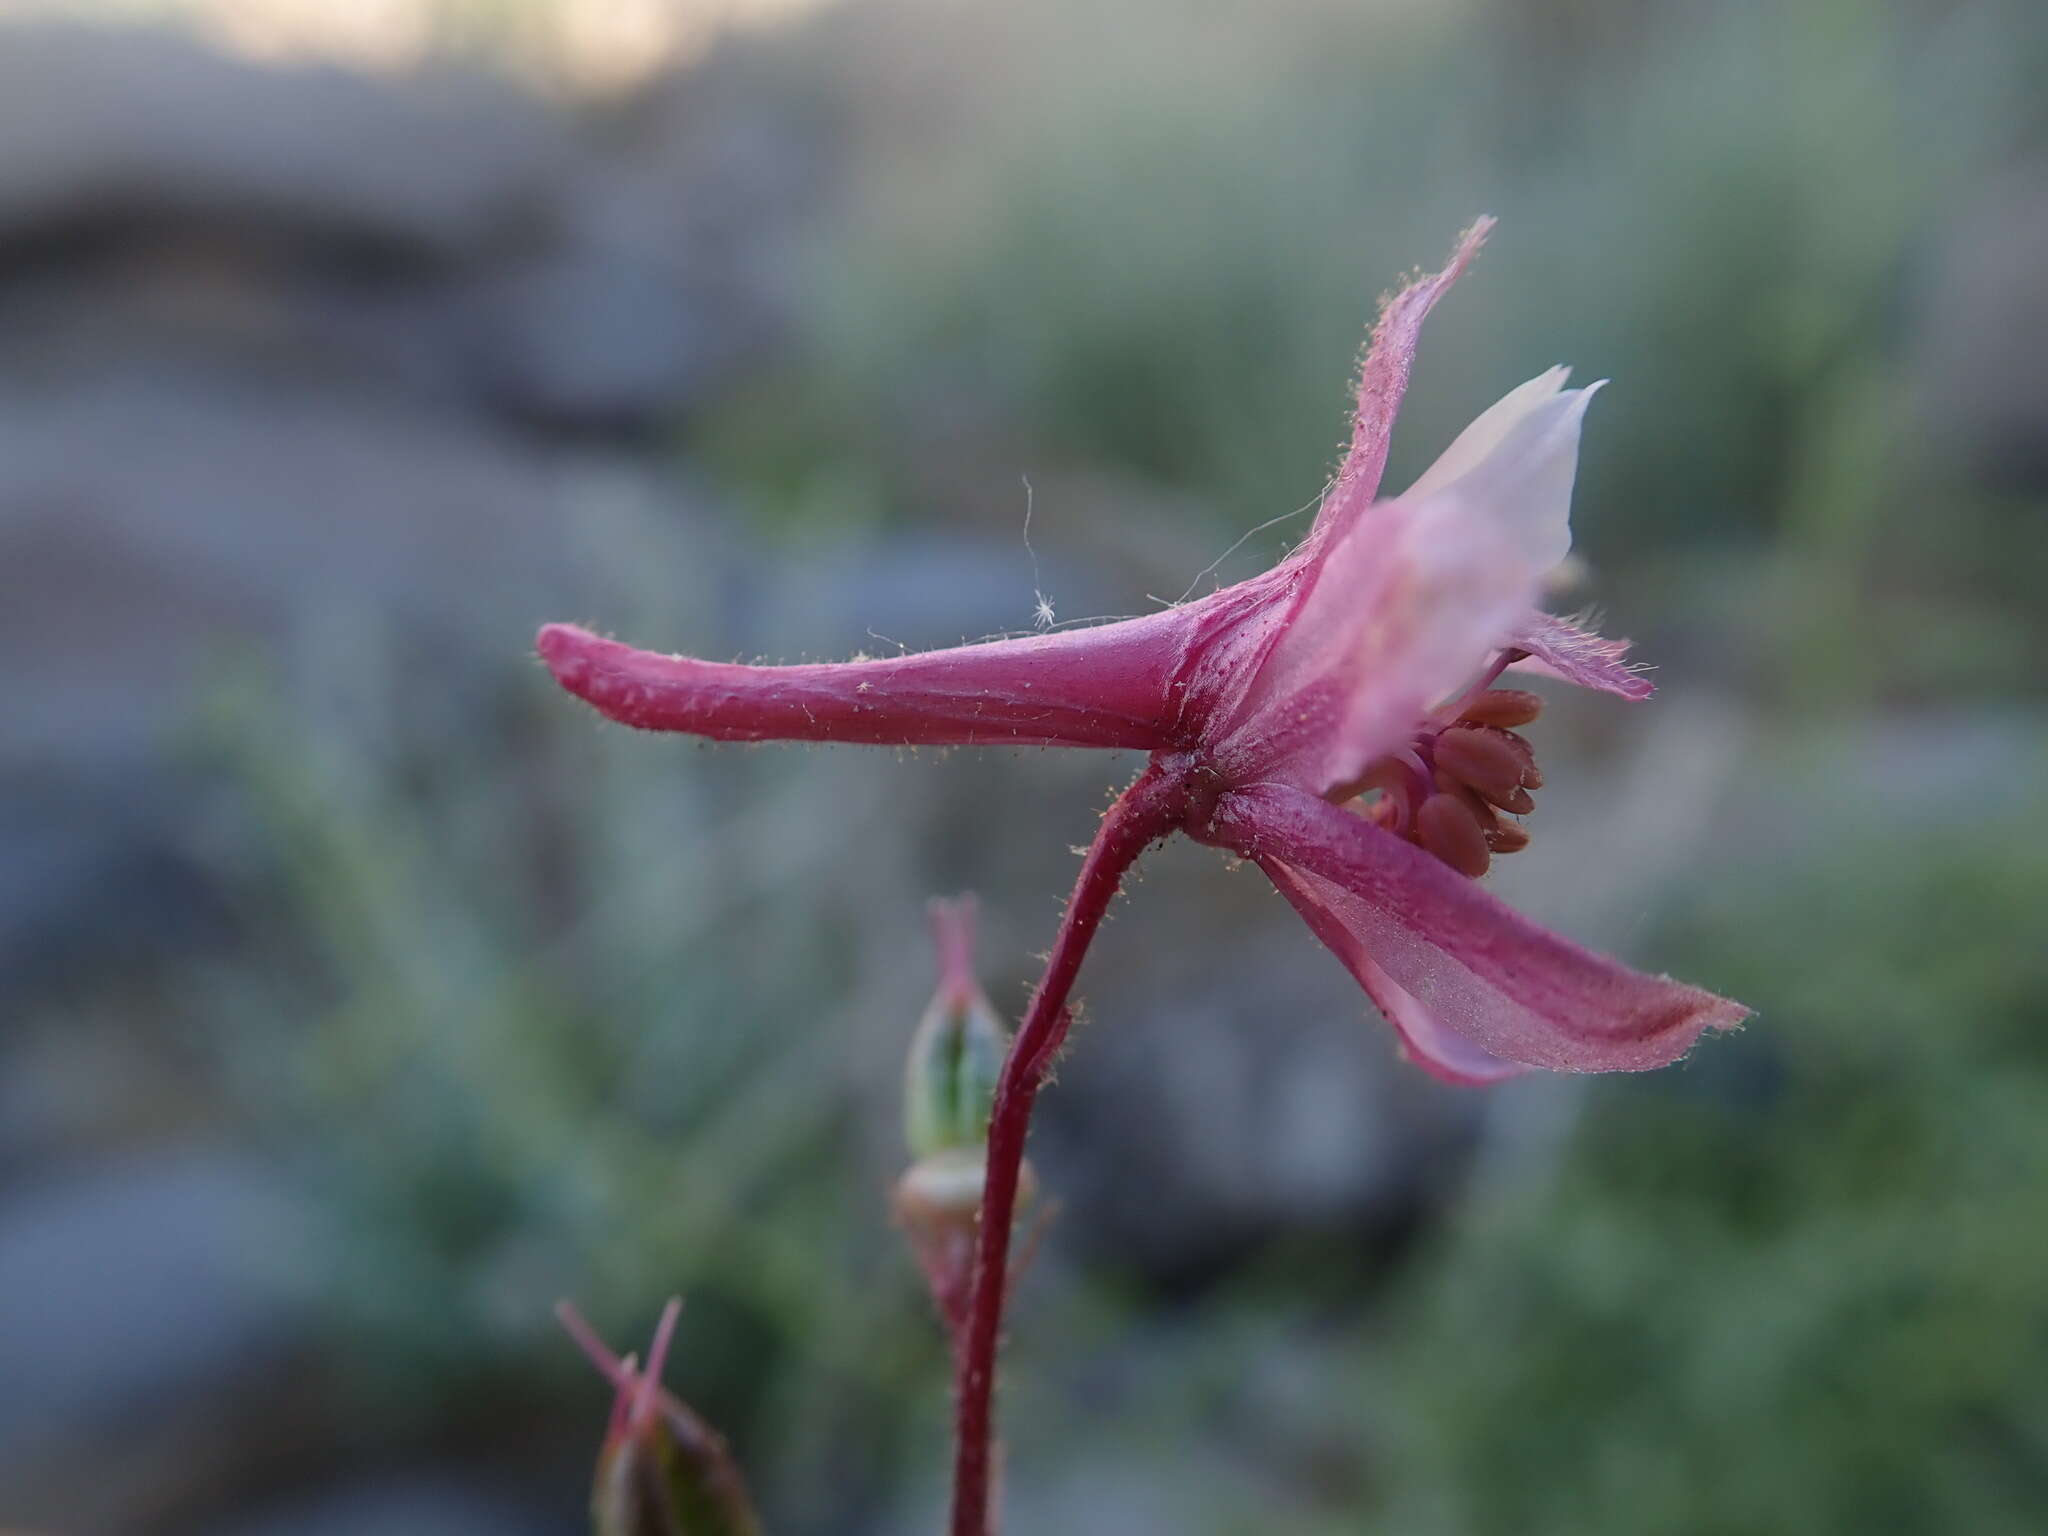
{"x": 1402, "y": 607}
{"x": 1522, "y": 484}
{"x": 1488, "y": 428}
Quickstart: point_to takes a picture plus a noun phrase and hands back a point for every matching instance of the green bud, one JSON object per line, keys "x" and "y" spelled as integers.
{"x": 958, "y": 1050}
{"x": 662, "y": 1471}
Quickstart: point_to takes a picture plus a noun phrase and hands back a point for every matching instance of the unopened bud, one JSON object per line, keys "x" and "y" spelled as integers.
{"x": 941, "y": 1194}
{"x": 937, "y": 1203}
{"x": 662, "y": 1470}
{"x": 958, "y": 1050}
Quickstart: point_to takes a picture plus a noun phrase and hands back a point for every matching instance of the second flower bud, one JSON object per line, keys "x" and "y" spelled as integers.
{"x": 958, "y": 1050}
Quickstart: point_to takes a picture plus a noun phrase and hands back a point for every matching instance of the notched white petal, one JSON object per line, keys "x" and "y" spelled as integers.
{"x": 1522, "y": 487}
{"x": 1479, "y": 439}
{"x": 1403, "y": 607}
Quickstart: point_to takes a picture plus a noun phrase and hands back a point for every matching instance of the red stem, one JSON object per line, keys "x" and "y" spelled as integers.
{"x": 1153, "y": 806}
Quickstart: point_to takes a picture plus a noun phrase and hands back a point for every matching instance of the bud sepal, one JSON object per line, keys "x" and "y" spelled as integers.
{"x": 663, "y": 1470}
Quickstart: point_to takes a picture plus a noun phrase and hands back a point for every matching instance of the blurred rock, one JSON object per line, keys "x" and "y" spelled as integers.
{"x": 79, "y": 839}
{"x": 233, "y": 507}
{"x": 442, "y": 229}
{"x": 81, "y": 1086}
{"x": 673, "y": 258}
{"x": 129, "y": 1287}
{"x": 292, "y": 341}
{"x": 230, "y": 513}
{"x": 130, "y": 1293}
{"x": 590, "y": 337}
{"x": 101, "y": 125}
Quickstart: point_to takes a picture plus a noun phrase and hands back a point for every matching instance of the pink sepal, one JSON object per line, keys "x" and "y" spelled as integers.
{"x": 1560, "y": 649}
{"x": 1473, "y": 974}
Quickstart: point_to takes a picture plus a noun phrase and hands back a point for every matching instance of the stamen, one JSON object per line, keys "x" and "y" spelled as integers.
{"x": 1446, "y": 790}
{"x": 1506, "y": 837}
{"x": 1516, "y": 803}
{"x": 1505, "y": 707}
{"x": 1486, "y": 759}
{"x": 1446, "y": 827}
{"x": 1481, "y": 811}
{"x": 1532, "y": 776}
{"x": 1403, "y": 781}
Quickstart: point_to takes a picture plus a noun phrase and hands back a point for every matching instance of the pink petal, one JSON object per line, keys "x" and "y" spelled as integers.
{"x": 1383, "y": 380}
{"x": 1393, "y": 613}
{"x": 1440, "y": 1051}
{"x": 1109, "y": 686}
{"x": 1398, "y": 611}
{"x": 1376, "y": 629}
{"x": 1474, "y": 976}
{"x": 1573, "y": 655}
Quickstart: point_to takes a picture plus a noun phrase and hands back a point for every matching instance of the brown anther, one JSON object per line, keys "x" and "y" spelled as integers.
{"x": 1493, "y": 762}
{"x": 1507, "y": 836}
{"x": 1446, "y": 827}
{"x": 1532, "y": 778}
{"x": 1502, "y": 707}
{"x": 1517, "y": 802}
{"x": 1481, "y": 811}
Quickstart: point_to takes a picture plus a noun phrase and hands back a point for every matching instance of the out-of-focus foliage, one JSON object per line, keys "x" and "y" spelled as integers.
{"x": 1802, "y": 1285}
{"x": 521, "y": 1044}
{"x": 1731, "y": 210}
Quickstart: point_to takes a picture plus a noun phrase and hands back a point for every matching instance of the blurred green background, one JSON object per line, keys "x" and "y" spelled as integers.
{"x": 360, "y": 994}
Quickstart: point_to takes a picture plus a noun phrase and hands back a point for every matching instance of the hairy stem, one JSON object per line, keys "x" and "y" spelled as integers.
{"x": 1149, "y": 809}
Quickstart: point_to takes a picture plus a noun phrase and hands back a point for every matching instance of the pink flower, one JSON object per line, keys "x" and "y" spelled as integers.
{"x": 1332, "y": 719}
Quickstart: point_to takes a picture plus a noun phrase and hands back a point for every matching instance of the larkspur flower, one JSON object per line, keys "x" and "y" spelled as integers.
{"x": 1333, "y": 720}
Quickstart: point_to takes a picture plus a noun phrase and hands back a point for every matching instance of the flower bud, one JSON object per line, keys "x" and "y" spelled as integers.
{"x": 937, "y": 1204}
{"x": 958, "y": 1050}
{"x": 662, "y": 1470}
{"x": 939, "y": 1196}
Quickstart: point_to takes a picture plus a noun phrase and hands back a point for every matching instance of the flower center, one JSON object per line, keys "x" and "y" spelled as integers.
{"x": 1457, "y": 788}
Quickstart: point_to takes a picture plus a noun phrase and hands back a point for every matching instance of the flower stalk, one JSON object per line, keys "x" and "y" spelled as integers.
{"x": 1146, "y": 812}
